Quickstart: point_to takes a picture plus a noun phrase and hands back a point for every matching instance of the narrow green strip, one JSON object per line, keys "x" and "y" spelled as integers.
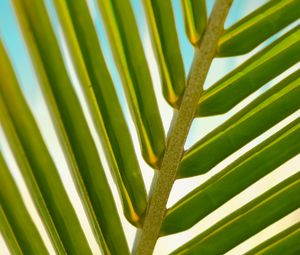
{"x": 161, "y": 24}
{"x": 8, "y": 234}
{"x": 239, "y": 175}
{"x": 72, "y": 118}
{"x": 19, "y": 219}
{"x": 260, "y": 115}
{"x": 258, "y": 26}
{"x": 251, "y": 75}
{"x": 62, "y": 137}
{"x": 42, "y": 165}
{"x": 247, "y": 221}
{"x": 104, "y": 106}
{"x": 27, "y": 173}
{"x": 286, "y": 242}
{"x": 195, "y": 19}
{"x": 133, "y": 68}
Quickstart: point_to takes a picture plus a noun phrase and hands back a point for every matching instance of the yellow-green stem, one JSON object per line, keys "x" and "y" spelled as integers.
{"x": 164, "y": 180}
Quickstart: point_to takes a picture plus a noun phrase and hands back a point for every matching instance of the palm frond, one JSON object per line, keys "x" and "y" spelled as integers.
{"x": 72, "y": 118}
{"x": 104, "y": 105}
{"x": 251, "y": 75}
{"x": 187, "y": 98}
{"x": 8, "y": 233}
{"x": 43, "y": 168}
{"x": 285, "y": 242}
{"x": 164, "y": 37}
{"x": 264, "y": 112}
{"x": 131, "y": 61}
{"x": 251, "y": 218}
{"x": 243, "y": 172}
{"x": 258, "y": 26}
{"x": 17, "y": 216}
{"x": 25, "y": 168}
{"x": 195, "y": 18}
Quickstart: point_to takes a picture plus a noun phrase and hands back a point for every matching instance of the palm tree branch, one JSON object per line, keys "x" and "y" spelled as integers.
{"x": 164, "y": 180}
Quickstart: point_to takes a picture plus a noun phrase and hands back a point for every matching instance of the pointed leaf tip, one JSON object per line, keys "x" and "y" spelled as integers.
{"x": 164, "y": 38}
{"x": 133, "y": 68}
{"x": 195, "y": 19}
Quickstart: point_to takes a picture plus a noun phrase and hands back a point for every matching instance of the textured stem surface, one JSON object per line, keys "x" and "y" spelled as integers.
{"x": 164, "y": 180}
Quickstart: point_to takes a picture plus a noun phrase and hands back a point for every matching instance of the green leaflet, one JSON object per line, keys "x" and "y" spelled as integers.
{"x": 104, "y": 106}
{"x": 42, "y": 166}
{"x": 19, "y": 219}
{"x": 27, "y": 173}
{"x": 248, "y": 220}
{"x": 7, "y": 232}
{"x": 286, "y": 242}
{"x": 195, "y": 19}
{"x": 260, "y": 115}
{"x": 239, "y": 175}
{"x": 251, "y": 75}
{"x": 48, "y": 62}
{"x": 258, "y": 26}
{"x": 130, "y": 59}
{"x": 60, "y": 131}
{"x": 161, "y": 24}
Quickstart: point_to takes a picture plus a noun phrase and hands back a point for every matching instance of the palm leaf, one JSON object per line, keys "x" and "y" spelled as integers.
{"x": 129, "y": 56}
{"x": 8, "y": 234}
{"x": 195, "y": 18}
{"x": 72, "y": 118}
{"x": 43, "y": 167}
{"x": 284, "y": 242}
{"x": 189, "y": 100}
{"x": 17, "y": 216}
{"x": 104, "y": 106}
{"x": 243, "y": 172}
{"x": 257, "y": 27}
{"x": 27, "y": 172}
{"x": 264, "y": 112}
{"x": 251, "y": 218}
{"x": 251, "y": 75}
{"x": 162, "y": 26}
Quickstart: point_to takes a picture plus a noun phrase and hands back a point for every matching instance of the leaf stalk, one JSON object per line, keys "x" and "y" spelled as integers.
{"x": 164, "y": 180}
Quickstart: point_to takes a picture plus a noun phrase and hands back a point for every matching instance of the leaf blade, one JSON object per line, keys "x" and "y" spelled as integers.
{"x": 8, "y": 234}
{"x": 251, "y": 75}
{"x": 286, "y": 242}
{"x": 43, "y": 167}
{"x": 104, "y": 106}
{"x": 239, "y": 175}
{"x": 249, "y": 219}
{"x": 161, "y": 24}
{"x": 17, "y": 215}
{"x": 131, "y": 62}
{"x": 264, "y": 112}
{"x": 258, "y": 26}
{"x": 46, "y": 55}
{"x": 195, "y": 19}
{"x": 27, "y": 173}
